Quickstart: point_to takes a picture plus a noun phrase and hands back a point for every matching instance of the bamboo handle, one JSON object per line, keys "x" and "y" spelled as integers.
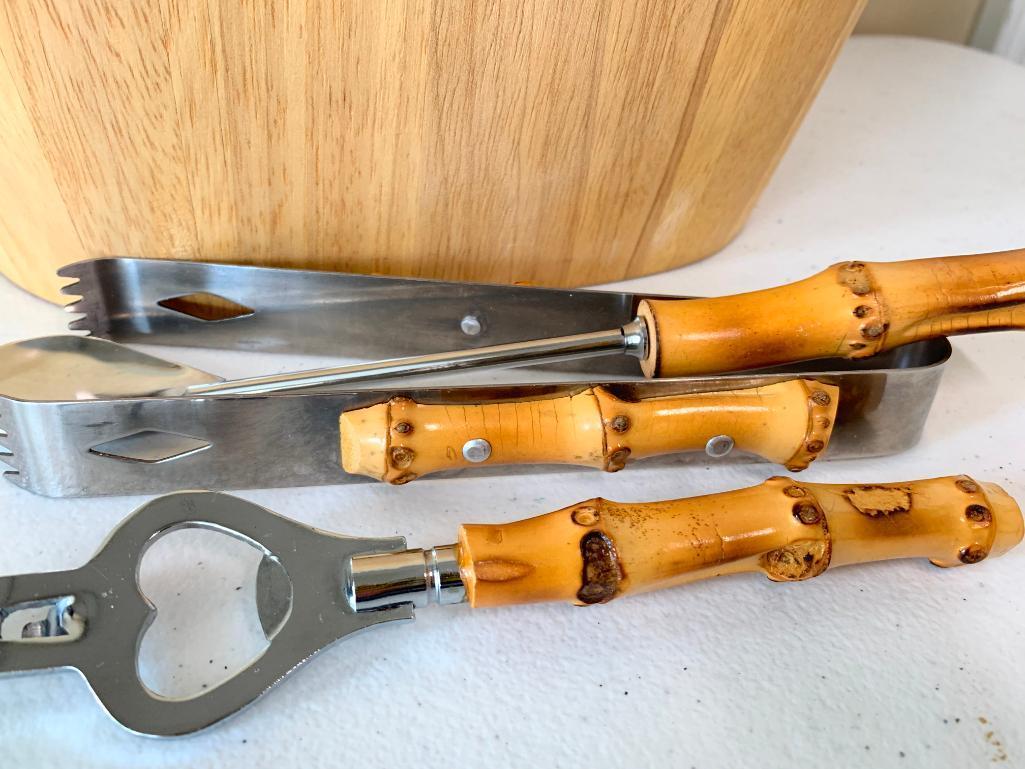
{"x": 851, "y": 310}
{"x": 598, "y": 550}
{"x": 397, "y": 441}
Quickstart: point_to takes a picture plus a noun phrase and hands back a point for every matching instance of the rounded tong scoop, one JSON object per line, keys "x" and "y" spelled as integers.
{"x": 93, "y": 618}
{"x": 65, "y": 368}
{"x": 69, "y": 368}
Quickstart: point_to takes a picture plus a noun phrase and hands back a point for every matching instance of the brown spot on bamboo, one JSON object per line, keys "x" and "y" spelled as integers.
{"x": 620, "y": 423}
{"x": 967, "y": 485}
{"x": 402, "y": 456}
{"x": 807, "y": 512}
{"x": 855, "y": 277}
{"x": 617, "y": 459}
{"x": 876, "y": 501}
{"x": 602, "y": 571}
{"x": 972, "y": 554}
{"x": 796, "y": 561}
{"x": 978, "y": 514}
{"x": 586, "y": 516}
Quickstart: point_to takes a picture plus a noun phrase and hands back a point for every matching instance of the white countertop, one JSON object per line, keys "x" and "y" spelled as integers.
{"x": 912, "y": 149}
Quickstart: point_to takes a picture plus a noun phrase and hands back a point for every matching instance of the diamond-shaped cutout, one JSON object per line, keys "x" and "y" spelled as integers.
{"x": 150, "y": 446}
{"x": 206, "y": 307}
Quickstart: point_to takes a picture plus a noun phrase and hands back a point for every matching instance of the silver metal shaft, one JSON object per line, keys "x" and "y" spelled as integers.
{"x": 420, "y": 577}
{"x": 631, "y": 339}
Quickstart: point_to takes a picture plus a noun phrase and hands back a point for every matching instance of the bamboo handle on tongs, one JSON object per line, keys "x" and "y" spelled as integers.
{"x": 598, "y": 550}
{"x": 850, "y": 310}
{"x": 786, "y": 422}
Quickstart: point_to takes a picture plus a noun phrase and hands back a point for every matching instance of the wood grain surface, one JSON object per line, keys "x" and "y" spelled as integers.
{"x": 546, "y": 142}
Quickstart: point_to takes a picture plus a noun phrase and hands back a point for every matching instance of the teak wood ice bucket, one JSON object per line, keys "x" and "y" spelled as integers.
{"x": 557, "y": 143}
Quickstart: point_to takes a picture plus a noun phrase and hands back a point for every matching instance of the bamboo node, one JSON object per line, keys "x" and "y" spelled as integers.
{"x": 620, "y": 423}
{"x": 617, "y": 460}
{"x": 978, "y": 514}
{"x": 821, "y": 398}
{"x": 967, "y": 485}
{"x": 401, "y": 456}
{"x": 807, "y": 513}
{"x": 972, "y": 554}
{"x": 586, "y": 516}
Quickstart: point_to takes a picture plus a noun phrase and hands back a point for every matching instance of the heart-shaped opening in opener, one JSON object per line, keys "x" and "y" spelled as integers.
{"x": 219, "y": 600}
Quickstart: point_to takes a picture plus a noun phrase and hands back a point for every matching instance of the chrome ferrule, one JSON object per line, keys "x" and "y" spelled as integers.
{"x": 419, "y": 577}
{"x": 635, "y": 338}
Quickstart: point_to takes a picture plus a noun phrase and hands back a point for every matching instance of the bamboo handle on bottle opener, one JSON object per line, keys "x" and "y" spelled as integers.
{"x": 786, "y": 422}
{"x": 598, "y": 550}
{"x": 850, "y": 310}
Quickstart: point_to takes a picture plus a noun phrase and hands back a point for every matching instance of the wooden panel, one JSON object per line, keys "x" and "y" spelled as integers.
{"x": 759, "y": 84}
{"x": 33, "y": 219}
{"x": 554, "y": 143}
{"x": 94, "y": 78}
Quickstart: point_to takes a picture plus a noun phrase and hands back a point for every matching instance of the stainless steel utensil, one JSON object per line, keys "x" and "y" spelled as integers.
{"x": 315, "y": 588}
{"x": 851, "y": 310}
{"x": 112, "y": 443}
{"x": 80, "y": 418}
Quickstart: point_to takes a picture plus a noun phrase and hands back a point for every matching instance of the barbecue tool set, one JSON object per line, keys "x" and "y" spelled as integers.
{"x": 845, "y": 363}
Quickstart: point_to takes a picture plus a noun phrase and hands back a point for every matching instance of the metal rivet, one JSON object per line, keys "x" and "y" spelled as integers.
{"x": 471, "y": 325}
{"x": 978, "y": 514}
{"x": 820, "y": 398}
{"x": 872, "y": 332}
{"x": 972, "y": 554}
{"x": 620, "y": 423}
{"x": 403, "y": 427}
{"x": 815, "y": 447}
{"x": 967, "y": 485}
{"x": 862, "y": 310}
{"x": 476, "y": 450}
{"x": 585, "y": 516}
{"x": 719, "y": 446}
{"x": 401, "y": 456}
{"x": 807, "y": 513}
{"x": 794, "y": 491}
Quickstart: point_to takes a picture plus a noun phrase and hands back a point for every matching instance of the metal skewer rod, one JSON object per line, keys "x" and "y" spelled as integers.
{"x": 630, "y": 339}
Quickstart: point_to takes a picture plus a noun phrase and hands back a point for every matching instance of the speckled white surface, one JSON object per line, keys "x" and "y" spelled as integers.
{"x": 913, "y": 149}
